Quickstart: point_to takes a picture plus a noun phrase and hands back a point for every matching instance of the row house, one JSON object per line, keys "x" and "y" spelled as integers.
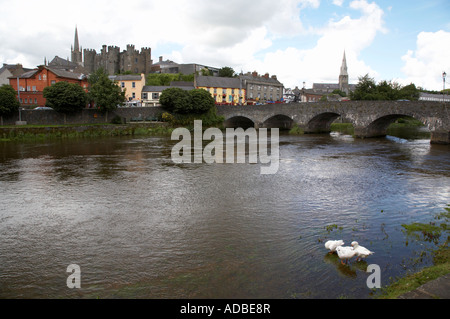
{"x": 132, "y": 85}
{"x": 151, "y": 94}
{"x": 225, "y": 91}
{"x": 262, "y": 88}
{"x": 30, "y": 85}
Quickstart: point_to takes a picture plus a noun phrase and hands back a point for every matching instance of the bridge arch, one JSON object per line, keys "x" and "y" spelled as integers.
{"x": 379, "y": 126}
{"x": 321, "y": 123}
{"x": 239, "y": 121}
{"x": 281, "y": 121}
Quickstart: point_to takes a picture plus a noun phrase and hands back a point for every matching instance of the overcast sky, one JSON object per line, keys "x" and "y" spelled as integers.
{"x": 297, "y": 40}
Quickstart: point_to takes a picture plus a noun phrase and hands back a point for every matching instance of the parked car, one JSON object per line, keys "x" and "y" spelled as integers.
{"x": 43, "y": 108}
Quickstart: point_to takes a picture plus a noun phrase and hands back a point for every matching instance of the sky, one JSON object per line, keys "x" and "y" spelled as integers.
{"x": 406, "y": 41}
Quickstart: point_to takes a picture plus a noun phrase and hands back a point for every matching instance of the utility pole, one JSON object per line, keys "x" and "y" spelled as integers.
{"x": 443, "y": 91}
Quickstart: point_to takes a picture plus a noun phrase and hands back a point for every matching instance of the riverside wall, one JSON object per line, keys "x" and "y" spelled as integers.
{"x": 86, "y": 116}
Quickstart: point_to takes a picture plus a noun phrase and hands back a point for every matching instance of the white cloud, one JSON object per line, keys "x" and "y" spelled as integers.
{"x": 322, "y": 63}
{"x": 338, "y": 3}
{"x": 424, "y": 65}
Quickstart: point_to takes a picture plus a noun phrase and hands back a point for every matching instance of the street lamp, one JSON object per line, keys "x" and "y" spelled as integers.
{"x": 443, "y": 91}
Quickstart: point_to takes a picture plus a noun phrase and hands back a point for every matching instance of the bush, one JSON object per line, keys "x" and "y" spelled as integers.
{"x": 65, "y": 97}
{"x": 179, "y": 101}
{"x": 8, "y": 100}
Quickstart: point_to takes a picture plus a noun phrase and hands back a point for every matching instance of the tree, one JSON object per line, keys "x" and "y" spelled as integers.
{"x": 65, "y": 97}
{"x": 410, "y": 92}
{"x": 175, "y": 100}
{"x": 106, "y": 94}
{"x": 366, "y": 89}
{"x": 227, "y": 72}
{"x": 201, "y": 101}
{"x": 180, "y": 101}
{"x": 8, "y": 100}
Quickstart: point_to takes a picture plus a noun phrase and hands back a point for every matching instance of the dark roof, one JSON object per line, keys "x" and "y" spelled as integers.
{"x": 260, "y": 79}
{"x": 219, "y": 82}
{"x": 126, "y": 77}
{"x": 150, "y": 88}
{"x": 67, "y": 74}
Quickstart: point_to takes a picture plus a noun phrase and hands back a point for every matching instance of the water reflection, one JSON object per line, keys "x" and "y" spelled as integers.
{"x": 141, "y": 226}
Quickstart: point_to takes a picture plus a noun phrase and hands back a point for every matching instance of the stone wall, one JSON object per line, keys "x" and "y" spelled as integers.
{"x": 86, "y": 116}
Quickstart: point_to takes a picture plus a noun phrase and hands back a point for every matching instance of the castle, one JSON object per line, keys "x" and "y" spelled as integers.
{"x": 111, "y": 59}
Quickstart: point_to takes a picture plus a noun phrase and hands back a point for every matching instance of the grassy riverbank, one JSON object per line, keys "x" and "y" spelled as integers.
{"x": 48, "y": 132}
{"x": 426, "y": 232}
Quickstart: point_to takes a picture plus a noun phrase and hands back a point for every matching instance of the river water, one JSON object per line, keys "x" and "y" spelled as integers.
{"x": 140, "y": 226}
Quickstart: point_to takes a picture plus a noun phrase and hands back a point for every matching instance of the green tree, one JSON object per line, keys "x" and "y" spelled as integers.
{"x": 8, "y": 100}
{"x": 366, "y": 89}
{"x": 106, "y": 94}
{"x": 201, "y": 101}
{"x": 409, "y": 92}
{"x": 227, "y": 72}
{"x": 176, "y": 100}
{"x": 180, "y": 101}
{"x": 65, "y": 97}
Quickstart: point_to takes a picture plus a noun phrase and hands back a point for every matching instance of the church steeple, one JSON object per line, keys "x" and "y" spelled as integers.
{"x": 75, "y": 49}
{"x": 76, "y": 44}
{"x": 343, "y": 76}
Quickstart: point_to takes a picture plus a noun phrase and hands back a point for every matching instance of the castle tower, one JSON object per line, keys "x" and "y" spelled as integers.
{"x": 76, "y": 52}
{"x": 343, "y": 76}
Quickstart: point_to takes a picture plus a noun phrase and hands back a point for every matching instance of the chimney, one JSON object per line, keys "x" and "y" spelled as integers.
{"x": 254, "y": 73}
{"x": 266, "y": 75}
{"x": 160, "y": 59}
{"x": 274, "y": 77}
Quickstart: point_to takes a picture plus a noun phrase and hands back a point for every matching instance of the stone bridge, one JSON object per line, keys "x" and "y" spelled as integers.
{"x": 369, "y": 118}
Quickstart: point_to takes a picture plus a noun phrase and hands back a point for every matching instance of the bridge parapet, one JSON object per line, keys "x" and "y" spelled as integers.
{"x": 369, "y": 118}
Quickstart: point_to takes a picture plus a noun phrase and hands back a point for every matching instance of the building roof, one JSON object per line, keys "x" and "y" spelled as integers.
{"x": 151, "y": 88}
{"x": 266, "y": 79}
{"x": 125, "y": 77}
{"x": 219, "y": 82}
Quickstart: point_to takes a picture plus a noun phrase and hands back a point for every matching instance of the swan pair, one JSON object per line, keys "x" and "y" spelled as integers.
{"x": 346, "y": 253}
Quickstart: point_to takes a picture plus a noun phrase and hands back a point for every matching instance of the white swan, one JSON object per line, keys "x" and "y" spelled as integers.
{"x": 345, "y": 253}
{"x": 361, "y": 252}
{"x": 333, "y": 244}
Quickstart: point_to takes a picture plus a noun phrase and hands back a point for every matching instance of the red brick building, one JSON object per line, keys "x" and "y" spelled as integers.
{"x": 32, "y": 83}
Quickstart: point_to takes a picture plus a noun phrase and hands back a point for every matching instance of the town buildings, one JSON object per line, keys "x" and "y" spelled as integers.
{"x": 262, "y": 88}
{"x": 132, "y": 85}
{"x": 32, "y": 83}
{"x": 11, "y": 70}
{"x": 225, "y": 91}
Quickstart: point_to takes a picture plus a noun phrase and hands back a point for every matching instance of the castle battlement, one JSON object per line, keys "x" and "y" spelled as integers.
{"x": 113, "y": 60}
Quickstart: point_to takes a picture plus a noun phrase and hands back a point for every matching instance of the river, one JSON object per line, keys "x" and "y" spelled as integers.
{"x": 140, "y": 226}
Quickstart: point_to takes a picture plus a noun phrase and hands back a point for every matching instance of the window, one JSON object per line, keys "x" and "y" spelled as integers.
{"x": 122, "y": 84}
{"x": 53, "y": 82}
{"x": 133, "y": 84}
{"x": 134, "y": 95}
{"x": 40, "y": 78}
{"x": 35, "y": 100}
{"x": 34, "y": 88}
{"x": 144, "y": 96}
{"x": 28, "y": 88}
{"x": 155, "y": 96}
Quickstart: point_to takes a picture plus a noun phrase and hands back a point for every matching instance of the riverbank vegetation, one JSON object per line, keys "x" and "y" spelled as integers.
{"x": 435, "y": 232}
{"x": 368, "y": 89}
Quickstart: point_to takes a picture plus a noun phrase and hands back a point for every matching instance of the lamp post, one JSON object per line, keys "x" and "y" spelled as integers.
{"x": 443, "y": 91}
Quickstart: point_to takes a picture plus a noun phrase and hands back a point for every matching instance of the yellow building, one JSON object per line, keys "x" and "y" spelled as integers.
{"x": 223, "y": 90}
{"x": 132, "y": 85}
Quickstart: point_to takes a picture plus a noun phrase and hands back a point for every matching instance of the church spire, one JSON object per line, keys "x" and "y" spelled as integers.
{"x": 76, "y": 46}
{"x": 344, "y": 66}
{"x": 343, "y": 77}
{"x": 77, "y": 56}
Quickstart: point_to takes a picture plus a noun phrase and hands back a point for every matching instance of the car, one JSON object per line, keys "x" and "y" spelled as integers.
{"x": 403, "y": 100}
{"x": 43, "y": 108}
